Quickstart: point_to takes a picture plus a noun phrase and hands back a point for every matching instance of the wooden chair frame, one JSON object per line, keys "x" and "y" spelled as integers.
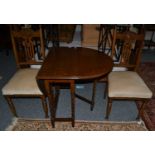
{"x": 25, "y": 57}
{"x": 131, "y": 62}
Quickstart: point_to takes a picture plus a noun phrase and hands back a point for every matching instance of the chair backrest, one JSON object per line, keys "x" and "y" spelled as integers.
{"x": 126, "y": 49}
{"x": 28, "y": 46}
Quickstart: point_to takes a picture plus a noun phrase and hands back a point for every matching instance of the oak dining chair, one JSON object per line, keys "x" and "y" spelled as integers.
{"x": 127, "y": 83}
{"x": 28, "y": 59}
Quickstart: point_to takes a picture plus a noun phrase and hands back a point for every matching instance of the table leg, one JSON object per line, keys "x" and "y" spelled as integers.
{"x": 72, "y": 90}
{"x": 92, "y": 101}
{"x": 93, "y": 95}
{"x": 51, "y": 99}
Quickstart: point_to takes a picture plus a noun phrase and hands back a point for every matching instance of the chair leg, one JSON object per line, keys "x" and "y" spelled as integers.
{"x": 72, "y": 90}
{"x": 141, "y": 110}
{"x": 108, "y": 109}
{"x": 11, "y": 105}
{"x": 93, "y": 95}
{"x": 44, "y": 104}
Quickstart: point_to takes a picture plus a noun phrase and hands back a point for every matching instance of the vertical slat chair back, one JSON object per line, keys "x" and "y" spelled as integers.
{"x": 126, "y": 49}
{"x": 28, "y": 46}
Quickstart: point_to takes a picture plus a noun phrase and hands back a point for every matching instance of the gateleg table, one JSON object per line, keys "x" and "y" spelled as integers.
{"x": 65, "y": 65}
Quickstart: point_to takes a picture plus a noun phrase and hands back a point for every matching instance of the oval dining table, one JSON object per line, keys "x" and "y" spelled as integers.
{"x": 66, "y": 65}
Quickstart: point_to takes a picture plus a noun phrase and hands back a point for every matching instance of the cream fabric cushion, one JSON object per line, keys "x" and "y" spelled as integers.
{"x": 35, "y": 66}
{"x": 23, "y": 82}
{"x": 119, "y": 69}
{"x": 127, "y": 84}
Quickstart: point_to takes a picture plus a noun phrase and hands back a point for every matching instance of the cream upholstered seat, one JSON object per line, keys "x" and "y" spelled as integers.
{"x": 127, "y": 84}
{"x": 29, "y": 53}
{"x": 23, "y": 82}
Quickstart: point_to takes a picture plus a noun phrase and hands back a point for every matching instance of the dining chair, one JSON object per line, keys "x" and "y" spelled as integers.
{"x": 106, "y": 33}
{"x": 127, "y": 84}
{"x": 28, "y": 60}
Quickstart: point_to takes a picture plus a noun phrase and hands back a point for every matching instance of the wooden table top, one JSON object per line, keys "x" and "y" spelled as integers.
{"x": 74, "y": 63}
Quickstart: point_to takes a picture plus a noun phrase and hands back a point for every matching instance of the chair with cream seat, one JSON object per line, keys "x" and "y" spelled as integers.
{"x": 105, "y": 45}
{"x": 127, "y": 84}
{"x": 23, "y": 83}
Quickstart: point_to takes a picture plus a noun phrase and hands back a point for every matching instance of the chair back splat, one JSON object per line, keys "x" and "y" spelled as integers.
{"x": 126, "y": 49}
{"x": 28, "y": 46}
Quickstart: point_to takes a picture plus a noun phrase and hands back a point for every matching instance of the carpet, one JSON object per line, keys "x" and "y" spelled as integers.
{"x": 147, "y": 72}
{"x": 20, "y": 124}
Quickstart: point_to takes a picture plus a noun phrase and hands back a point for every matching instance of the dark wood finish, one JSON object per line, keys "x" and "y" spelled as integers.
{"x": 75, "y": 63}
{"x": 69, "y": 65}
{"x": 23, "y": 42}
